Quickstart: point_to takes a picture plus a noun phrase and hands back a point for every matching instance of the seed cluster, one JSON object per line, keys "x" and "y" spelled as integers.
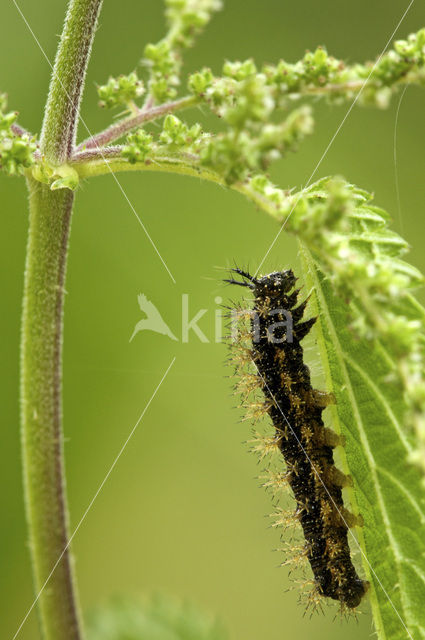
{"x": 295, "y": 408}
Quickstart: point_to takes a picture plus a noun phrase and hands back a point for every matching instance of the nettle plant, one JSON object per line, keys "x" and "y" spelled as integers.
{"x": 369, "y": 330}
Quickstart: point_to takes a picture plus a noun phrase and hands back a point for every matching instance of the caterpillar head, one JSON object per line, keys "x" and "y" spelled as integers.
{"x": 272, "y": 284}
{"x": 277, "y": 282}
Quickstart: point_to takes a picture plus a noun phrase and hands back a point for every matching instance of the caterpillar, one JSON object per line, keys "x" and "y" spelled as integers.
{"x": 275, "y": 331}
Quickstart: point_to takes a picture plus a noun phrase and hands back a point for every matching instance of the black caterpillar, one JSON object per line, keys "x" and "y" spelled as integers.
{"x": 276, "y": 330}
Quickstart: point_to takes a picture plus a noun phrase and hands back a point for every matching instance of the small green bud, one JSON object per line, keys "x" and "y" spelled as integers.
{"x": 248, "y": 101}
{"x": 259, "y": 183}
{"x": 186, "y": 18}
{"x": 160, "y": 57}
{"x": 239, "y": 70}
{"x": 16, "y": 152}
{"x": 3, "y": 102}
{"x": 286, "y": 76}
{"x": 276, "y": 197}
{"x": 318, "y": 66}
{"x": 401, "y": 333}
{"x": 165, "y": 67}
{"x": 275, "y": 140}
{"x": 176, "y": 133}
{"x": 155, "y": 52}
{"x": 64, "y": 177}
{"x": 7, "y": 119}
{"x": 139, "y": 146}
{"x": 402, "y": 47}
{"x": 163, "y": 89}
{"x": 420, "y": 41}
{"x": 120, "y": 91}
{"x": 232, "y": 157}
{"x": 320, "y": 57}
{"x": 201, "y": 81}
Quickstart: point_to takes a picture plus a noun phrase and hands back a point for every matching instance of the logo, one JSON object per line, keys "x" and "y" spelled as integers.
{"x": 153, "y": 321}
{"x": 278, "y": 331}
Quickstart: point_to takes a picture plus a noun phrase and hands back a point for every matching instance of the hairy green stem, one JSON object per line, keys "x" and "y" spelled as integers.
{"x": 42, "y": 440}
{"x": 42, "y": 327}
{"x": 63, "y": 104}
{"x": 108, "y": 160}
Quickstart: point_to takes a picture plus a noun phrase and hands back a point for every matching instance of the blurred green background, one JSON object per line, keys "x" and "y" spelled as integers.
{"x": 182, "y": 512}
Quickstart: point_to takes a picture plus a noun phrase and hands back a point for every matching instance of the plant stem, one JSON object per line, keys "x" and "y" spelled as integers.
{"x": 104, "y": 161}
{"x": 42, "y": 440}
{"x": 19, "y": 131}
{"x": 42, "y": 328}
{"x": 63, "y": 104}
{"x": 119, "y": 129}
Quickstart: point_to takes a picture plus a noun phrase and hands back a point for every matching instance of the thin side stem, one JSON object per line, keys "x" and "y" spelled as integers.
{"x": 42, "y": 330}
{"x": 119, "y": 129}
{"x": 102, "y": 164}
{"x": 19, "y": 131}
{"x": 97, "y": 163}
{"x": 97, "y": 154}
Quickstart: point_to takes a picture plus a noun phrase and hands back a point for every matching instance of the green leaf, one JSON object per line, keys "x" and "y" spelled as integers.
{"x": 63, "y": 177}
{"x": 362, "y": 259}
{"x": 388, "y": 489}
{"x": 160, "y": 618}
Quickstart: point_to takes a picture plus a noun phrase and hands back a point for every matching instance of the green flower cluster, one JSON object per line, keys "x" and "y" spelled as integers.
{"x": 233, "y": 156}
{"x": 120, "y": 91}
{"x": 186, "y": 19}
{"x": 139, "y": 146}
{"x": 164, "y": 65}
{"x": 315, "y": 69}
{"x": 324, "y": 205}
{"x": 200, "y": 81}
{"x": 364, "y": 261}
{"x": 241, "y": 97}
{"x": 177, "y": 135}
{"x": 247, "y": 99}
{"x": 236, "y": 155}
{"x": 406, "y": 57}
{"x": 245, "y": 94}
{"x": 319, "y": 73}
{"x": 16, "y": 151}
